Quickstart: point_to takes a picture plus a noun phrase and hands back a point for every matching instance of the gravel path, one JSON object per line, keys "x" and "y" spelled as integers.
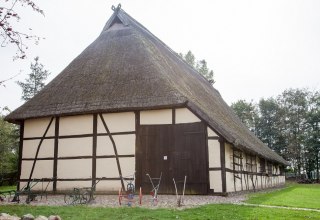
{"x": 164, "y": 201}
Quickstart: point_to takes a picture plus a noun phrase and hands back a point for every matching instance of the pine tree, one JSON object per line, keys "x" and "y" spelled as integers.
{"x": 200, "y": 66}
{"x": 35, "y": 82}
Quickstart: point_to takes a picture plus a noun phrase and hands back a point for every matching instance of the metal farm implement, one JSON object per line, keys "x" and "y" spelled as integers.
{"x": 82, "y": 195}
{"x": 128, "y": 196}
{"x": 6, "y": 195}
{"x": 155, "y": 182}
{"x": 31, "y": 194}
{"x": 180, "y": 198}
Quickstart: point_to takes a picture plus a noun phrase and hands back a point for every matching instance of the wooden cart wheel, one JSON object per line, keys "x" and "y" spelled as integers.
{"x": 140, "y": 196}
{"x": 120, "y": 196}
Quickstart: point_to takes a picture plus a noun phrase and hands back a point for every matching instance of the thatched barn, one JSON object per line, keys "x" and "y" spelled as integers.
{"x": 129, "y": 104}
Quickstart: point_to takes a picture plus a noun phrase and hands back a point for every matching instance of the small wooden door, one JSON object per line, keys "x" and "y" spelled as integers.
{"x": 176, "y": 151}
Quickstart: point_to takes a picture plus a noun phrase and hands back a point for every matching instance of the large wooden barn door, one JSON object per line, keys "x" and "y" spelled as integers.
{"x": 176, "y": 151}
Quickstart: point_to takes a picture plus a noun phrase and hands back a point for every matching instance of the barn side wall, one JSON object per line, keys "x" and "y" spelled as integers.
{"x": 245, "y": 171}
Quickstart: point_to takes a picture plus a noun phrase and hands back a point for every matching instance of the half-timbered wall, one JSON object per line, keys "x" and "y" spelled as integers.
{"x": 76, "y": 151}
{"x": 34, "y": 142}
{"x": 245, "y": 171}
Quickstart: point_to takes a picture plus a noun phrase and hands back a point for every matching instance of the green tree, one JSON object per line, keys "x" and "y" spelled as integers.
{"x": 204, "y": 70}
{"x": 289, "y": 125}
{"x": 247, "y": 113}
{"x": 35, "y": 82}
{"x": 201, "y": 66}
{"x": 313, "y": 134}
{"x": 190, "y": 58}
{"x": 9, "y": 143}
{"x": 295, "y": 105}
{"x": 270, "y": 125}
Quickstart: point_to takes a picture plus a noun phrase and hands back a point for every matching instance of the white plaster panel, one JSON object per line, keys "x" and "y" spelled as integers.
{"x": 154, "y": 117}
{"x": 184, "y": 115}
{"x": 258, "y": 186}
{"x": 215, "y": 181}
{"x": 229, "y": 182}
{"x": 258, "y": 164}
{"x": 73, "y": 125}
{"x": 75, "y": 168}
{"x": 211, "y": 133}
{"x": 228, "y": 155}
{"x": 69, "y": 185}
{"x": 125, "y": 144}
{"x": 104, "y": 146}
{"x": 25, "y": 169}
{"x": 214, "y": 153}
{"x": 244, "y": 159}
{"x": 107, "y": 167}
{"x": 30, "y": 148}
{"x": 127, "y": 166}
{"x": 42, "y": 169}
{"x": 109, "y": 185}
{"x": 117, "y": 122}
{"x": 239, "y": 183}
{"x": 75, "y": 147}
{"x": 37, "y": 127}
{"x": 42, "y": 186}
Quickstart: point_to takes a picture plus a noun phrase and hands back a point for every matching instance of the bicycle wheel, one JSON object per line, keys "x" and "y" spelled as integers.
{"x": 140, "y": 196}
{"x": 84, "y": 198}
{"x": 69, "y": 199}
{"x": 120, "y": 197}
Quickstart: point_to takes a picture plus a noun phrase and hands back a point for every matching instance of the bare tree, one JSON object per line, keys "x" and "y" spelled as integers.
{"x": 8, "y": 33}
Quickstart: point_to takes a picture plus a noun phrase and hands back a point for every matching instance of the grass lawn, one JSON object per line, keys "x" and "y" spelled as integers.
{"x": 214, "y": 211}
{"x": 295, "y": 195}
{"x": 220, "y": 211}
{"x": 7, "y": 188}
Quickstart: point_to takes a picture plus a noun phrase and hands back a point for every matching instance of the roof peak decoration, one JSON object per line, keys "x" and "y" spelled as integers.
{"x": 116, "y": 9}
{"x": 117, "y": 17}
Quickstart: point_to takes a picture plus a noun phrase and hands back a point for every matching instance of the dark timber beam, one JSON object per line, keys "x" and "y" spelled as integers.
{"x": 55, "y": 154}
{"x": 223, "y": 164}
{"x": 137, "y": 148}
{"x": 20, "y": 151}
{"x": 173, "y": 116}
{"x": 94, "y": 149}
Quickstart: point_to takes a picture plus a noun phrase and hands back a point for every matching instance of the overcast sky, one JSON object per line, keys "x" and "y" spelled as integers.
{"x": 257, "y": 49}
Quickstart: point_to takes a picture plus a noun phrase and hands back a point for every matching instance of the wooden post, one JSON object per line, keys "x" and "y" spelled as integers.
{"x": 223, "y": 165}
{"x": 55, "y": 154}
{"x": 94, "y": 149}
{"x": 20, "y": 152}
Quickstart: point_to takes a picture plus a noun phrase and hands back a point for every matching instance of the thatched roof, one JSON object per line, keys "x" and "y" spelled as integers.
{"x": 128, "y": 68}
